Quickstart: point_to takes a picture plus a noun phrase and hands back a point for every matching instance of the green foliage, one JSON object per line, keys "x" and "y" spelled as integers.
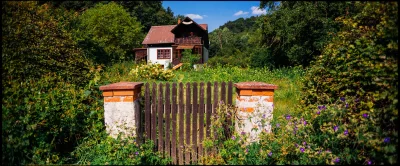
{"x": 44, "y": 119}
{"x": 360, "y": 66}
{"x": 104, "y": 150}
{"x": 108, "y": 33}
{"x": 35, "y": 42}
{"x": 189, "y": 59}
{"x": 151, "y": 72}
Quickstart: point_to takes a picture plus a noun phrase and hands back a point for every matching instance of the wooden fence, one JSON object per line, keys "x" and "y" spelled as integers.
{"x": 178, "y": 119}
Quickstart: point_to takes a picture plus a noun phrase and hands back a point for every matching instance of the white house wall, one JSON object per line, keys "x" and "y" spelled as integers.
{"x": 152, "y": 56}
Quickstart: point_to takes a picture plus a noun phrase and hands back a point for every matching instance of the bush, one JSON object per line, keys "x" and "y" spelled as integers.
{"x": 360, "y": 66}
{"x": 35, "y": 43}
{"x": 104, "y": 150}
{"x": 43, "y": 120}
{"x": 189, "y": 59}
{"x": 151, "y": 71}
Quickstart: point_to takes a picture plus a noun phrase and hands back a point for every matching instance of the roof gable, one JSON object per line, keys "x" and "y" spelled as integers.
{"x": 188, "y": 21}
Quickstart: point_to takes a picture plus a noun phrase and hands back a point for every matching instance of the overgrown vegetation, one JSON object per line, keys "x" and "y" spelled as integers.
{"x": 335, "y": 64}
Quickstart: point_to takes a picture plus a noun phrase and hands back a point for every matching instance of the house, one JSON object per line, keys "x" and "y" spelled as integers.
{"x": 165, "y": 44}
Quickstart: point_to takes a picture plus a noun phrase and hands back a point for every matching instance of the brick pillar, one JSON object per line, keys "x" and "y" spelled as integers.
{"x": 121, "y": 108}
{"x": 255, "y": 101}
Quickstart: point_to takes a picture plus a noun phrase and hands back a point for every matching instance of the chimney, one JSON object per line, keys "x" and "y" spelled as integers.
{"x": 179, "y": 20}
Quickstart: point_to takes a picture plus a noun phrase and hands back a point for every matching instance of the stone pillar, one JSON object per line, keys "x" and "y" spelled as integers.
{"x": 122, "y": 108}
{"x": 255, "y": 103}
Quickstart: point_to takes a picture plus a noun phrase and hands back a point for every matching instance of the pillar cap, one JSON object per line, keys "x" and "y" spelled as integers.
{"x": 254, "y": 85}
{"x": 122, "y": 86}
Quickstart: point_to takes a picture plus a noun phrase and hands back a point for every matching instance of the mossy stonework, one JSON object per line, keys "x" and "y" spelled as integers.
{"x": 121, "y": 107}
{"x": 255, "y": 107}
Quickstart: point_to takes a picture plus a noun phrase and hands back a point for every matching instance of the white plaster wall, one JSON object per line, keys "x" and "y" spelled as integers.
{"x": 259, "y": 119}
{"x": 121, "y": 117}
{"x": 152, "y": 56}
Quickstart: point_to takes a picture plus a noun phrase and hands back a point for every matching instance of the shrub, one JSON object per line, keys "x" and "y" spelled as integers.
{"x": 360, "y": 66}
{"x": 44, "y": 119}
{"x": 35, "y": 43}
{"x": 151, "y": 71}
{"x": 189, "y": 59}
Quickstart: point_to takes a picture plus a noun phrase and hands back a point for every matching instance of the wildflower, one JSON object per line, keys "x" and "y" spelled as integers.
{"x": 357, "y": 100}
{"x": 296, "y": 145}
{"x": 277, "y": 125}
{"x": 272, "y": 105}
{"x": 337, "y": 160}
{"x": 247, "y": 150}
{"x": 263, "y": 116}
{"x": 365, "y": 115}
{"x": 342, "y": 99}
{"x": 318, "y": 112}
{"x": 369, "y": 162}
{"x": 304, "y": 143}
{"x": 243, "y": 133}
{"x": 302, "y": 150}
{"x": 233, "y": 138}
{"x": 270, "y": 154}
{"x": 347, "y": 105}
{"x": 321, "y": 107}
{"x": 308, "y": 146}
{"x": 287, "y": 117}
{"x": 335, "y": 128}
{"x": 346, "y": 132}
{"x": 305, "y": 122}
{"x": 137, "y": 153}
{"x": 386, "y": 140}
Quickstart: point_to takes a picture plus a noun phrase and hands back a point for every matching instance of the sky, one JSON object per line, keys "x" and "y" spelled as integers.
{"x": 214, "y": 13}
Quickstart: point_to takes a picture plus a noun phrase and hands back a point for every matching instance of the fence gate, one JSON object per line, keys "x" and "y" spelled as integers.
{"x": 178, "y": 118}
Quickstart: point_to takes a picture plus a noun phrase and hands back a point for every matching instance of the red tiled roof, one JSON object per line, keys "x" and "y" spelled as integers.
{"x": 162, "y": 34}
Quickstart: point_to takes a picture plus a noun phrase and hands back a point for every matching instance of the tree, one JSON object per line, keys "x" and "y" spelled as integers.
{"x": 110, "y": 31}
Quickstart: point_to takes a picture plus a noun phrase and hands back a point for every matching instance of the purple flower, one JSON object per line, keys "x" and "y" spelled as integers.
{"x": 319, "y": 152}
{"x": 263, "y": 116}
{"x": 321, "y": 107}
{"x": 304, "y": 143}
{"x": 272, "y": 105}
{"x": 247, "y": 150}
{"x": 357, "y": 100}
{"x": 369, "y": 162}
{"x": 278, "y": 125}
{"x": 137, "y": 153}
{"x": 233, "y": 137}
{"x": 346, "y": 132}
{"x": 337, "y": 160}
{"x": 347, "y": 105}
{"x": 305, "y": 122}
{"x": 318, "y": 112}
{"x": 342, "y": 99}
{"x": 386, "y": 140}
{"x": 287, "y": 117}
{"x": 270, "y": 154}
{"x": 335, "y": 128}
{"x": 296, "y": 145}
{"x": 243, "y": 133}
{"x": 302, "y": 150}
{"x": 295, "y": 128}
{"x": 365, "y": 115}
{"x": 221, "y": 102}
{"x": 308, "y": 146}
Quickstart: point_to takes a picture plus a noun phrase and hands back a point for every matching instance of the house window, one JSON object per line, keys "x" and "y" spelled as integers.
{"x": 163, "y": 54}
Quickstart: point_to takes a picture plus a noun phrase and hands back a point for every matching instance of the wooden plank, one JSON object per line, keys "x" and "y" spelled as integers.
{"x": 209, "y": 110}
{"x": 230, "y": 89}
{"x": 181, "y": 133}
{"x": 215, "y": 105}
{"x": 174, "y": 112}
{"x": 187, "y": 113}
{"x": 153, "y": 114}
{"x": 194, "y": 126}
{"x": 201, "y": 120}
{"x": 223, "y": 92}
{"x": 167, "y": 120}
{"x": 147, "y": 111}
{"x": 160, "y": 118}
